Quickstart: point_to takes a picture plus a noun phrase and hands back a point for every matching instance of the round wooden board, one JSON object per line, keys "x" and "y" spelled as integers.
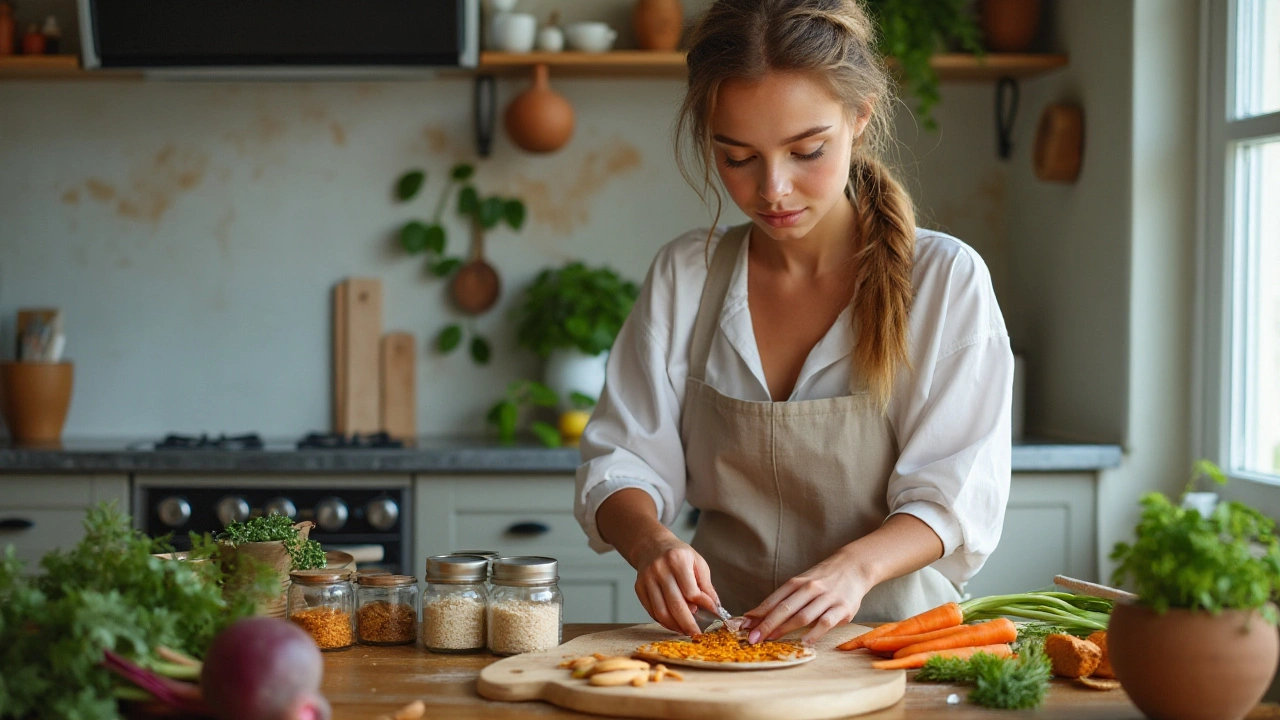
{"x": 806, "y": 655}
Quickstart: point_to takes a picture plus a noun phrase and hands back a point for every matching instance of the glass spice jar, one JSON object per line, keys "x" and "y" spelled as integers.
{"x": 526, "y": 609}
{"x": 454, "y": 604}
{"x": 323, "y": 603}
{"x": 489, "y": 555}
{"x": 387, "y": 609}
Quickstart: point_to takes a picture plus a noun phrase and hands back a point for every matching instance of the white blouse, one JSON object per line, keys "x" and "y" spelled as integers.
{"x": 950, "y": 414}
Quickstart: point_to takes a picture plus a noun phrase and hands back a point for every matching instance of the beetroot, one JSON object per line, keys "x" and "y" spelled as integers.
{"x": 264, "y": 668}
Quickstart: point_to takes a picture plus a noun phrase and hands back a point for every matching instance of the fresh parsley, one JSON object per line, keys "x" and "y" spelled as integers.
{"x": 304, "y": 554}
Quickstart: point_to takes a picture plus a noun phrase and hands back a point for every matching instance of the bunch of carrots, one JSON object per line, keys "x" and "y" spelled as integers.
{"x": 937, "y": 632}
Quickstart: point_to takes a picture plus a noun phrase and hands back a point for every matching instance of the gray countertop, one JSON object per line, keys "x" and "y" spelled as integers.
{"x": 427, "y": 455}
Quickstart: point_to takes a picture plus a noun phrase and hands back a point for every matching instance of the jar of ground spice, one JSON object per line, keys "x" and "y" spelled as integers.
{"x": 526, "y": 607}
{"x": 387, "y": 609}
{"x": 323, "y": 603}
{"x": 454, "y": 604}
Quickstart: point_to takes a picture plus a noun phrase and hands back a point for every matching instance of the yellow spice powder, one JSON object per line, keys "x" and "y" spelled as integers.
{"x": 725, "y": 646}
{"x": 330, "y": 628}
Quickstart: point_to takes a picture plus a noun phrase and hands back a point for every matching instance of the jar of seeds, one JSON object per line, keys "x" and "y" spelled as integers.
{"x": 387, "y": 609}
{"x": 322, "y": 602}
{"x": 454, "y": 604}
{"x": 526, "y": 607}
{"x": 489, "y": 555}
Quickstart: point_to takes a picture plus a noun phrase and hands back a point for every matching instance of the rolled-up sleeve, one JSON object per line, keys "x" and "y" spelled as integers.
{"x": 633, "y": 438}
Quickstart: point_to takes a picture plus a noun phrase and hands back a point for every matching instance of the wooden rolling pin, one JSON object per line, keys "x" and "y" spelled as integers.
{"x": 1087, "y": 588}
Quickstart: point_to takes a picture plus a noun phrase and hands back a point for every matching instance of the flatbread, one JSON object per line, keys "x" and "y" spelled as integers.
{"x": 804, "y": 655}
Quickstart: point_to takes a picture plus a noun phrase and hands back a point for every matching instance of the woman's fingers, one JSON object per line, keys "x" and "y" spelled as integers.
{"x": 832, "y": 617}
{"x": 678, "y": 607}
{"x": 702, "y": 573}
{"x": 778, "y": 608}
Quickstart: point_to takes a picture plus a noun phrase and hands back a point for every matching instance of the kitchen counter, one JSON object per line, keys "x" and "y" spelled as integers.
{"x": 427, "y": 455}
{"x": 365, "y": 683}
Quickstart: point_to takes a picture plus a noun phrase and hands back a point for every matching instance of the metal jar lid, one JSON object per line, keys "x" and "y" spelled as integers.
{"x": 386, "y": 580}
{"x": 457, "y": 569}
{"x": 525, "y": 570}
{"x": 482, "y": 553}
{"x": 320, "y": 576}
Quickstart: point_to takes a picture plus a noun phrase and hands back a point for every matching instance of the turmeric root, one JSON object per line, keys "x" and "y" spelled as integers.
{"x": 1104, "y": 666}
{"x": 1072, "y": 657}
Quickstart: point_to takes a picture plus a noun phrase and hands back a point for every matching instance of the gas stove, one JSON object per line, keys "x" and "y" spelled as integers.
{"x": 224, "y": 442}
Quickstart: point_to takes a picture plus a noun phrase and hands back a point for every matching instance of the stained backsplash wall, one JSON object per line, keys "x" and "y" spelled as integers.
{"x": 192, "y": 231}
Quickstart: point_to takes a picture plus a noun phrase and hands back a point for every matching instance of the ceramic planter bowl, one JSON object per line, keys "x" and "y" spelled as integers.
{"x": 1186, "y": 665}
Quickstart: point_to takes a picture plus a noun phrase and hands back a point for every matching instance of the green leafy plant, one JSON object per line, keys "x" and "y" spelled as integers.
{"x": 573, "y": 307}
{"x": 430, "y": 238}
{"x": 521, "y": 397}
{"x": 911, "y": 31}
{"x": 303, "y": 554}
{"x": 1018, "y": 683}
{"x": 109, "y": 592}
{"x": 1229, "y": 560}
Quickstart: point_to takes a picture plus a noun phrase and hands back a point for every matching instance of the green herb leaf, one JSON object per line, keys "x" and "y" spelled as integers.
{"x": 449, "y": 338}
{"x": 409, "y": 184}
{"x": 546, "y": 433}
{"x": 468, "y": 201}
{"x": 1010, "y": 683}
{"x": 541, "y": 395}
{"x": 413, "y": 237}
{"x": 573, "y": 307}
{"x": 513, "y": 212}
{"x": 462, "y": 172}
{"x": 305, "y": 554}
{"x": 580, "y": 401}
{"x": 480, "y": 350}
{"x": 490, "y": 212}
{"x": 434, "y": 239}
{"x": 444, "y": 267}
{"x": 507, "y": 416}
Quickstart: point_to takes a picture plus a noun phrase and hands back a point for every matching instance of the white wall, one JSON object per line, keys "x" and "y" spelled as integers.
{"x": 192, "y": 232}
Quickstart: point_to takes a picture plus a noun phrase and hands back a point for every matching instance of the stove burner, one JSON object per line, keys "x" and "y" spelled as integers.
{"x": 338, "y": 441}
{"x": 223, "y": 442}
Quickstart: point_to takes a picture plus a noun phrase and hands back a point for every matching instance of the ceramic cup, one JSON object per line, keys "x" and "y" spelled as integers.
{"x": 590, "y": 36}
{"x": 514, "y": 32}
{"x": 550, "y": 39}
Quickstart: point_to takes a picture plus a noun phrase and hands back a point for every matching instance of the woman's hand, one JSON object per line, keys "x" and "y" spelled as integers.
{"x": 826, "y": 595}
{"x": 672, "y": 580}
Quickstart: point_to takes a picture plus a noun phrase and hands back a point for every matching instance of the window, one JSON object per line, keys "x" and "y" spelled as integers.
{"x": 1239, "y": 352}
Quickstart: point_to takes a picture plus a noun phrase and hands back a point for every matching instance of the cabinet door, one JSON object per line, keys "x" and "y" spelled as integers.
{"x": 44, "y": 512}
{"x": 1049, "y": 529}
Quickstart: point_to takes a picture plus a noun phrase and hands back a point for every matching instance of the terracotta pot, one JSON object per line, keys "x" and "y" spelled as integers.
{"x": 539, "y": 119}
{"x": 35, "y": 397}
{"x": 1186, "y": 665}
{"x": 1010, "y": 25}
{"x": 658, "y": 24}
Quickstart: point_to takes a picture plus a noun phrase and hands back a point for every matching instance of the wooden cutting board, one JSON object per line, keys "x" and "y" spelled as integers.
{"x": 399, "y": 393}
{"x": 836, "y": 684}
{"x": 357, "y": 350}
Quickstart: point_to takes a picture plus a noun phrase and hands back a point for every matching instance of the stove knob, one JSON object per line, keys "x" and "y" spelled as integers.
{"x": 174, "y": 511}
{"x": 382, "y": 513}
{"x": 331, "y": 514}
{"x": 232, "y": 508}
{"x": 280, "y": 506}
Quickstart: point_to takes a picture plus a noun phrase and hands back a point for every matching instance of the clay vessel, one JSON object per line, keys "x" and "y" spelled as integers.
{"x": 1010, "y": 25}
{"x": 539, "y": 119}
{"x": 658, "y": 24}
{"x": 1191, "y": 665}
{"x": 35, "y": 397}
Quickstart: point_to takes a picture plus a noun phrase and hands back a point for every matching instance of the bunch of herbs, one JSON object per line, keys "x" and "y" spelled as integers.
{"x": 1017, "y": 683}
{"x": 303, "y": 554}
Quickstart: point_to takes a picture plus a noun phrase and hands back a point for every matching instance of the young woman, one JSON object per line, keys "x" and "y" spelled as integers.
{"x": 828, "y": 384}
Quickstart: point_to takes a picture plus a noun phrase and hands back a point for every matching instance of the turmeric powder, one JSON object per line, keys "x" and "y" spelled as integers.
{"x": 725, "y": 646}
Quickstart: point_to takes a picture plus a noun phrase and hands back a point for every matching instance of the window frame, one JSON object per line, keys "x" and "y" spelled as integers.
{"x": 1225, "y": 279}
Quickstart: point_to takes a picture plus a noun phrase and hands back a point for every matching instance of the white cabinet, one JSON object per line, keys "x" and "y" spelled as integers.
{"x": 39, "y": 513}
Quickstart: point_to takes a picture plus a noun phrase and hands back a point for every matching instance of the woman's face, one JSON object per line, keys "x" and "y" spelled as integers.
{"x": 782, "y": 146}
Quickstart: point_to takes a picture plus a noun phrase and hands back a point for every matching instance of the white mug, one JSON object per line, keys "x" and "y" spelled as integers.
{"x": 514, "y": 32}
{"x": 551, "y": 39}
{"x": 590, "y": 36}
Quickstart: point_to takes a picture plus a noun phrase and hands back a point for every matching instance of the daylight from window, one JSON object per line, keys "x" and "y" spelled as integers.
{"x": 1258, "y": 58}
{"x": 1260, "y": 233}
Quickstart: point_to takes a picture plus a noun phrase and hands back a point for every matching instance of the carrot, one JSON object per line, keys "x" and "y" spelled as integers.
{"x": 1000, "y": 630}
{"x": 892, "y": 643}
{"x": 918, "y": 659}
{"x": 872, "y": 634}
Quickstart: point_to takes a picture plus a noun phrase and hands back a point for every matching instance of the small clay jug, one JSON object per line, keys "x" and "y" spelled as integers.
{"x": 1191, "y": 665}
{"x": 658, "y": 24}
{"x": 34, "y": 398}
{"x": 1010, "y": 25}
{"x": 539, "y": 120}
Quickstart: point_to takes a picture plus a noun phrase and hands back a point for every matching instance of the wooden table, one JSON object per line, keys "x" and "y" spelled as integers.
{"x": 365, "y": 683}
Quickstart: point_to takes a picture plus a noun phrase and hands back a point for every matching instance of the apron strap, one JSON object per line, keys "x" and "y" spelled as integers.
{"x": 719, "y": 275}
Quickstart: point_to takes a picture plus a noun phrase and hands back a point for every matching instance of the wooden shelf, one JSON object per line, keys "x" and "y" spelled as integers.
{"x": 950, "y": 66}
{"x": 20, "y": 66}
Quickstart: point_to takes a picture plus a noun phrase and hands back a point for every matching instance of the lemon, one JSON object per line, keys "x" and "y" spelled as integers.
{"x": 572, "y": 423}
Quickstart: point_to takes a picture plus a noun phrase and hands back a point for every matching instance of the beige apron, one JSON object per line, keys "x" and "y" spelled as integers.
{"x": 782, "y": 486}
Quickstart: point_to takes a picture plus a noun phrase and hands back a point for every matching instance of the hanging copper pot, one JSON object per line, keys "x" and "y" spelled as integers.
{"x": 539, "y": 120}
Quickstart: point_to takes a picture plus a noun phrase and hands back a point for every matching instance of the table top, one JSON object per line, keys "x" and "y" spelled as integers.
{"x": 367, "y": 683}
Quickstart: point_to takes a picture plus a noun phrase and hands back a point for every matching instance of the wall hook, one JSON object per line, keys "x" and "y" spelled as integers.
{"x": 1006, "y": 112}
{"x": 486, "y": 112}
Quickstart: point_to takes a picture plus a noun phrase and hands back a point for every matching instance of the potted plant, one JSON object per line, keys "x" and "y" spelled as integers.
{"x": 911, "y": 32}
{"x": 274, "y": 541}
{"x": 1200, "y": 641}
{"x": 570, "y": 317}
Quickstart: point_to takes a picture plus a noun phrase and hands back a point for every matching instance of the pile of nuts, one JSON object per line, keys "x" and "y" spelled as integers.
{"x": 604, "y": 671}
